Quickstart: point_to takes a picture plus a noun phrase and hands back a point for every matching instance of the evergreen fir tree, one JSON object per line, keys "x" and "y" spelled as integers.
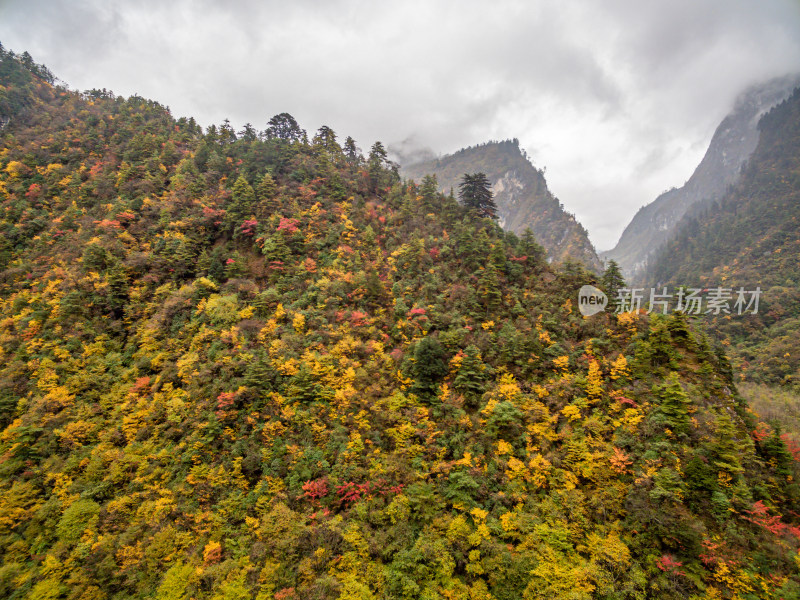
{"x": 117, "y": 280}
{"x": 259, "y": 375}
{"x": 775, "y": 448}
{"x": 428, "y": 368}
{"x": 489, "y": 286}
{"x": 241, "y": 204}
{"x": 266, "y": 192}
{"x": 429, "y": 190}
{"x": 303, "y": 386}
{"x": 471, "y": 376}
{"x": 216, "y": 268}
{"x": 187, "y": 180}
{"x": 727, "y": 449}
{"x": 377, "y": 164}
{"x": 184, "y": 260}
{"x": 351, "y": 152}
{"x": 203, "y": 263}
{"x": 476, "y": 194}
{"x": 531, "y": 248}
{"x": 284, "y": 127}
{"x": 324, "y": 141}
{"x": 674, "y": 404}
{"x": 612, "y": 281}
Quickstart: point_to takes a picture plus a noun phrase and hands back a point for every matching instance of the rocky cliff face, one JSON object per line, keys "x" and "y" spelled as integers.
{"x": 732, "y": 144}
{"x": 521, "y": 194}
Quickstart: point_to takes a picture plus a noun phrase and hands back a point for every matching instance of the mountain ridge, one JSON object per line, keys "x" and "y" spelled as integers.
{"x": 521, "y": 193}
{"x": 749, "y": 237}
{"x": 734, "y": 140}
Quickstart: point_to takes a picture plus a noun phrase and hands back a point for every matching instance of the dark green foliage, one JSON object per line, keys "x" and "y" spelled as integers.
{"x": 612, "y": 281}
{"x": 241, "y": 205}
{"x": 377, "y": 164}
{"x": 657, "y": 352}
{"x": 284, "y": 127}
{"x": 351, "y": 152}
{"x": 325, "y": 142}
{"x": 505, "y": 421}
{"x": 727, "y": 447}
{"x": 266, "y": 188}
{"x": 429, "y": 190}
{"x": 531, "y": 249}
{"x": 428, "y": 368}
{"x": 673, "y": 405}
{"x": 471, "y": 376}
{"x": 475, "y": 193}
{"x": 461, "y": 488}
{"x": 489, "y": 288}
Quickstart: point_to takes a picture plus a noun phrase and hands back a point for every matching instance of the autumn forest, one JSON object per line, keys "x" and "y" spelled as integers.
{"x": 261, "y": 364}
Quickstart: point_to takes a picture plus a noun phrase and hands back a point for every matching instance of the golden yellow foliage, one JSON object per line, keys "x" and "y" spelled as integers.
{"x": 594, "y": 380}
{"x": 572, "y": 412}
{"x": 619, "y": 368}
{"x": 561, "y": 363}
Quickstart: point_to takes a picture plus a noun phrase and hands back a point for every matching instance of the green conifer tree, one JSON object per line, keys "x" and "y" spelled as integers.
{"x": 612, "y": 281}
{"x": 429, "y": 190}
{"x": 673, "y": 407}
{"x": 266, "y": 192}
{"x": 241, "y": 205}
{"x": 351, "y": 152}
{"x": 470, "y": 379}
{"x": 428, "y": 368}
{"x": 530, "y": 248}
{"x": 728, "y": 446}
{"x": 475, "y": 193}
{"x": 203, "y": 263}
{"x": 489, "y": 287}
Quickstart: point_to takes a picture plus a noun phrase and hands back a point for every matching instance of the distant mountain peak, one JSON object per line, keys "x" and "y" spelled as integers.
{"x": 747, "y": 238}
{"x": 521, "y": 193}
{"x": 733, "y": 142}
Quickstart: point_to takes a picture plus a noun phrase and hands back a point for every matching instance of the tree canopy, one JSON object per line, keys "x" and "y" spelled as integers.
{"x": 475, "y": 192}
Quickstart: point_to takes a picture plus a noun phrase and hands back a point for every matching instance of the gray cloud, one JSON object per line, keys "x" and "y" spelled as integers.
{"x": 617, "y": 99}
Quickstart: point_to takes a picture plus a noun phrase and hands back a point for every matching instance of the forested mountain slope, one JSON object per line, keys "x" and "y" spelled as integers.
{"x": 749, "y": 238}
{"x": 733, "y": 142}
{"x": 523, "y": 200}
{"x": 253, "y": 365}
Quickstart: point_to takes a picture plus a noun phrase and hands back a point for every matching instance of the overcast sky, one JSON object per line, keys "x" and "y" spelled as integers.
{"x": 618, "y": 99}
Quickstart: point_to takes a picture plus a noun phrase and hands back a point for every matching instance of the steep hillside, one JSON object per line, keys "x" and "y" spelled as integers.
{"x": 733, "y": 142}
{"x": 521, "y": 194}
{"x": 751, "y": 237}
{"x": 254, "y": 365}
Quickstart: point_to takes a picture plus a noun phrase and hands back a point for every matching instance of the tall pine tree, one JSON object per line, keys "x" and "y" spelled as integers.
{"x": 612, "y": 282}
{"x": 476, "y": 193}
